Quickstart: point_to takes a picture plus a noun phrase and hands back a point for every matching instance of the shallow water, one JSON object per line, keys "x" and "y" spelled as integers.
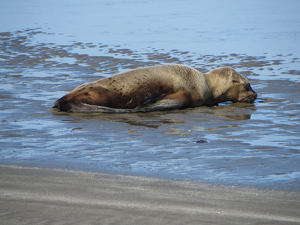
{"x": 237, "y": 144}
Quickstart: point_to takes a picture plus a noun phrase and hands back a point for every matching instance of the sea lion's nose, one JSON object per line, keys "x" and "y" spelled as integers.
{"x": 254, "y": 95}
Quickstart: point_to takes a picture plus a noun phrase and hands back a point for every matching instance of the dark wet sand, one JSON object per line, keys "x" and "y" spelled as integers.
{"x": 52, "y": 196}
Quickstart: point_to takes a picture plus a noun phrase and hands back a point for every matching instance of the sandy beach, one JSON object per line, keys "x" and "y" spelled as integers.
{"x": 53, "y": 196}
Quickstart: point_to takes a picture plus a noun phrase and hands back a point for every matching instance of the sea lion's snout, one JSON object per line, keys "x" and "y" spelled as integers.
{"x": 251, "y": 95}
{"x": 250, "y": 98}
{"x": 254, "y": 96}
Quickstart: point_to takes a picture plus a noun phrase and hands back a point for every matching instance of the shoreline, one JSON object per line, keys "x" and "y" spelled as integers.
{"x": 39, "y": 195}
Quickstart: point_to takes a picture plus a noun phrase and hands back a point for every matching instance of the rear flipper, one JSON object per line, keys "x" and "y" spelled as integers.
{"x": 162, "y": 105}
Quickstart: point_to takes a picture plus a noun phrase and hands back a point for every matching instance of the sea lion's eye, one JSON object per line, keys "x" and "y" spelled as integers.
{"x": 235, "y": 81}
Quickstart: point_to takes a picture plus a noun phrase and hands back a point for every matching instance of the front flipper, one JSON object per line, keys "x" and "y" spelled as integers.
{"x": 162, "y": 105}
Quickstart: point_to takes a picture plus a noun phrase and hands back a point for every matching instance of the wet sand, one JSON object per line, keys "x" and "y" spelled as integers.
{"x": 53, "y": 196}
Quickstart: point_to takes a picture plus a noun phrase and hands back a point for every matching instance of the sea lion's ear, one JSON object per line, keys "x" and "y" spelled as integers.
{"x": 235, "y": 81}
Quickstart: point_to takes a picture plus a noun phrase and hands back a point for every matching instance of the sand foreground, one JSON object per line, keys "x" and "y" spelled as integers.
{"x": 53, "y": 196}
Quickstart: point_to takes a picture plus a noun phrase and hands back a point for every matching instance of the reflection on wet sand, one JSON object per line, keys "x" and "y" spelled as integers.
{"x": 234, "y": 111}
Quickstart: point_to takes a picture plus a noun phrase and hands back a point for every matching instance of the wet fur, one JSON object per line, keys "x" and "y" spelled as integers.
{"x": 158, "y": 88}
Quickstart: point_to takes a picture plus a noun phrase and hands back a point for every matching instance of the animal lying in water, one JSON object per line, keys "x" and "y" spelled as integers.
{"x": 158, "y": 88}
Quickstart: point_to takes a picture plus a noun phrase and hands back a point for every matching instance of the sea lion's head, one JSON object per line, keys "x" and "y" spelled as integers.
{"x": 226, "y": 84}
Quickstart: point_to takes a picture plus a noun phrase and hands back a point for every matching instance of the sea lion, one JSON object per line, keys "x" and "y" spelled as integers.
{"x": 158, "y": 88}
